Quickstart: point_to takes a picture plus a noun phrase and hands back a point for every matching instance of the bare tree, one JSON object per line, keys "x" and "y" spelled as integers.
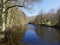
{"x": 58, "y": 13}
{"x": 19, "y": 3}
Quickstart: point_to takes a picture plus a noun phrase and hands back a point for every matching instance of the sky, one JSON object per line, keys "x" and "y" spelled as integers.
{"x": 45, "y": 5}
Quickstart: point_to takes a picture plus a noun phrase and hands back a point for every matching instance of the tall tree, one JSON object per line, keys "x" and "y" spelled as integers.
{"x": 19, "y": 3}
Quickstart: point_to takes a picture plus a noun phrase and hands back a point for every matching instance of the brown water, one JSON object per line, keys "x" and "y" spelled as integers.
{"x": 35, "y": 35}
{"x": 39, "y": 35}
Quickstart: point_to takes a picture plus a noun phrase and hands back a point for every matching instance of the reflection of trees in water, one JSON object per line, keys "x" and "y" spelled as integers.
{"x": 59, "y": 36}
{"x": 41, "y": 32}
{"x": 15, "y": 35}
{"x": 53, "y": 35}
{"x": 48, "y": 33}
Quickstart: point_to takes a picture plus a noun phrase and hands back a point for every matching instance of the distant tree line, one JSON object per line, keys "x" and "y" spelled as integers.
{"x": 51, "y": 18}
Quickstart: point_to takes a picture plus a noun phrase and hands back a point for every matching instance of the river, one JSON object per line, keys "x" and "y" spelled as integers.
{"x": 40, "y": 35}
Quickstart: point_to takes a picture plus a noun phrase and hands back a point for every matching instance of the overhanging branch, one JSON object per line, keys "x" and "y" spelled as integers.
{"x": 6, "y": 1}
{"x": 13, "y": 6}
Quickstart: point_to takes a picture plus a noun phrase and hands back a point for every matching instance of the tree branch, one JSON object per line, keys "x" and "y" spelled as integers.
{"x": 7, "y": 1}
{"x": 13, "y": 6}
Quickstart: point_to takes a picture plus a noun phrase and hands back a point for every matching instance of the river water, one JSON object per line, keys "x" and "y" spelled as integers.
{"x": 39, "y": 35}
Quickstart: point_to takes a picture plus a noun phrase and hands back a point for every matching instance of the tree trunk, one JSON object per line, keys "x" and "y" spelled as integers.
{"x": 3, "y": 16}
{"x": 8, "y": 18}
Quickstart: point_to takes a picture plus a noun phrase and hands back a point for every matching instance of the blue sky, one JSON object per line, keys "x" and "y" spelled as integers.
{"x": 46, "y": 6}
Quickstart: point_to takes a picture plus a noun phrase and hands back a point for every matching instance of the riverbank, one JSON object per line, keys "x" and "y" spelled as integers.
{"x": 55, "y": 26}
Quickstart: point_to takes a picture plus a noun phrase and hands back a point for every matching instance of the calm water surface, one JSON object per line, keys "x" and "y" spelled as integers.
{"x": 41, "y": 36}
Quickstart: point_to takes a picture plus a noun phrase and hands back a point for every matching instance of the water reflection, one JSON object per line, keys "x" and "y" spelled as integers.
{"x": 14, "y": 35}
{"x": 31, "y": 38}
{"x": 33, "y": 35}
{"x": 41, "y": 36}
{"x": 48, "y": 34}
